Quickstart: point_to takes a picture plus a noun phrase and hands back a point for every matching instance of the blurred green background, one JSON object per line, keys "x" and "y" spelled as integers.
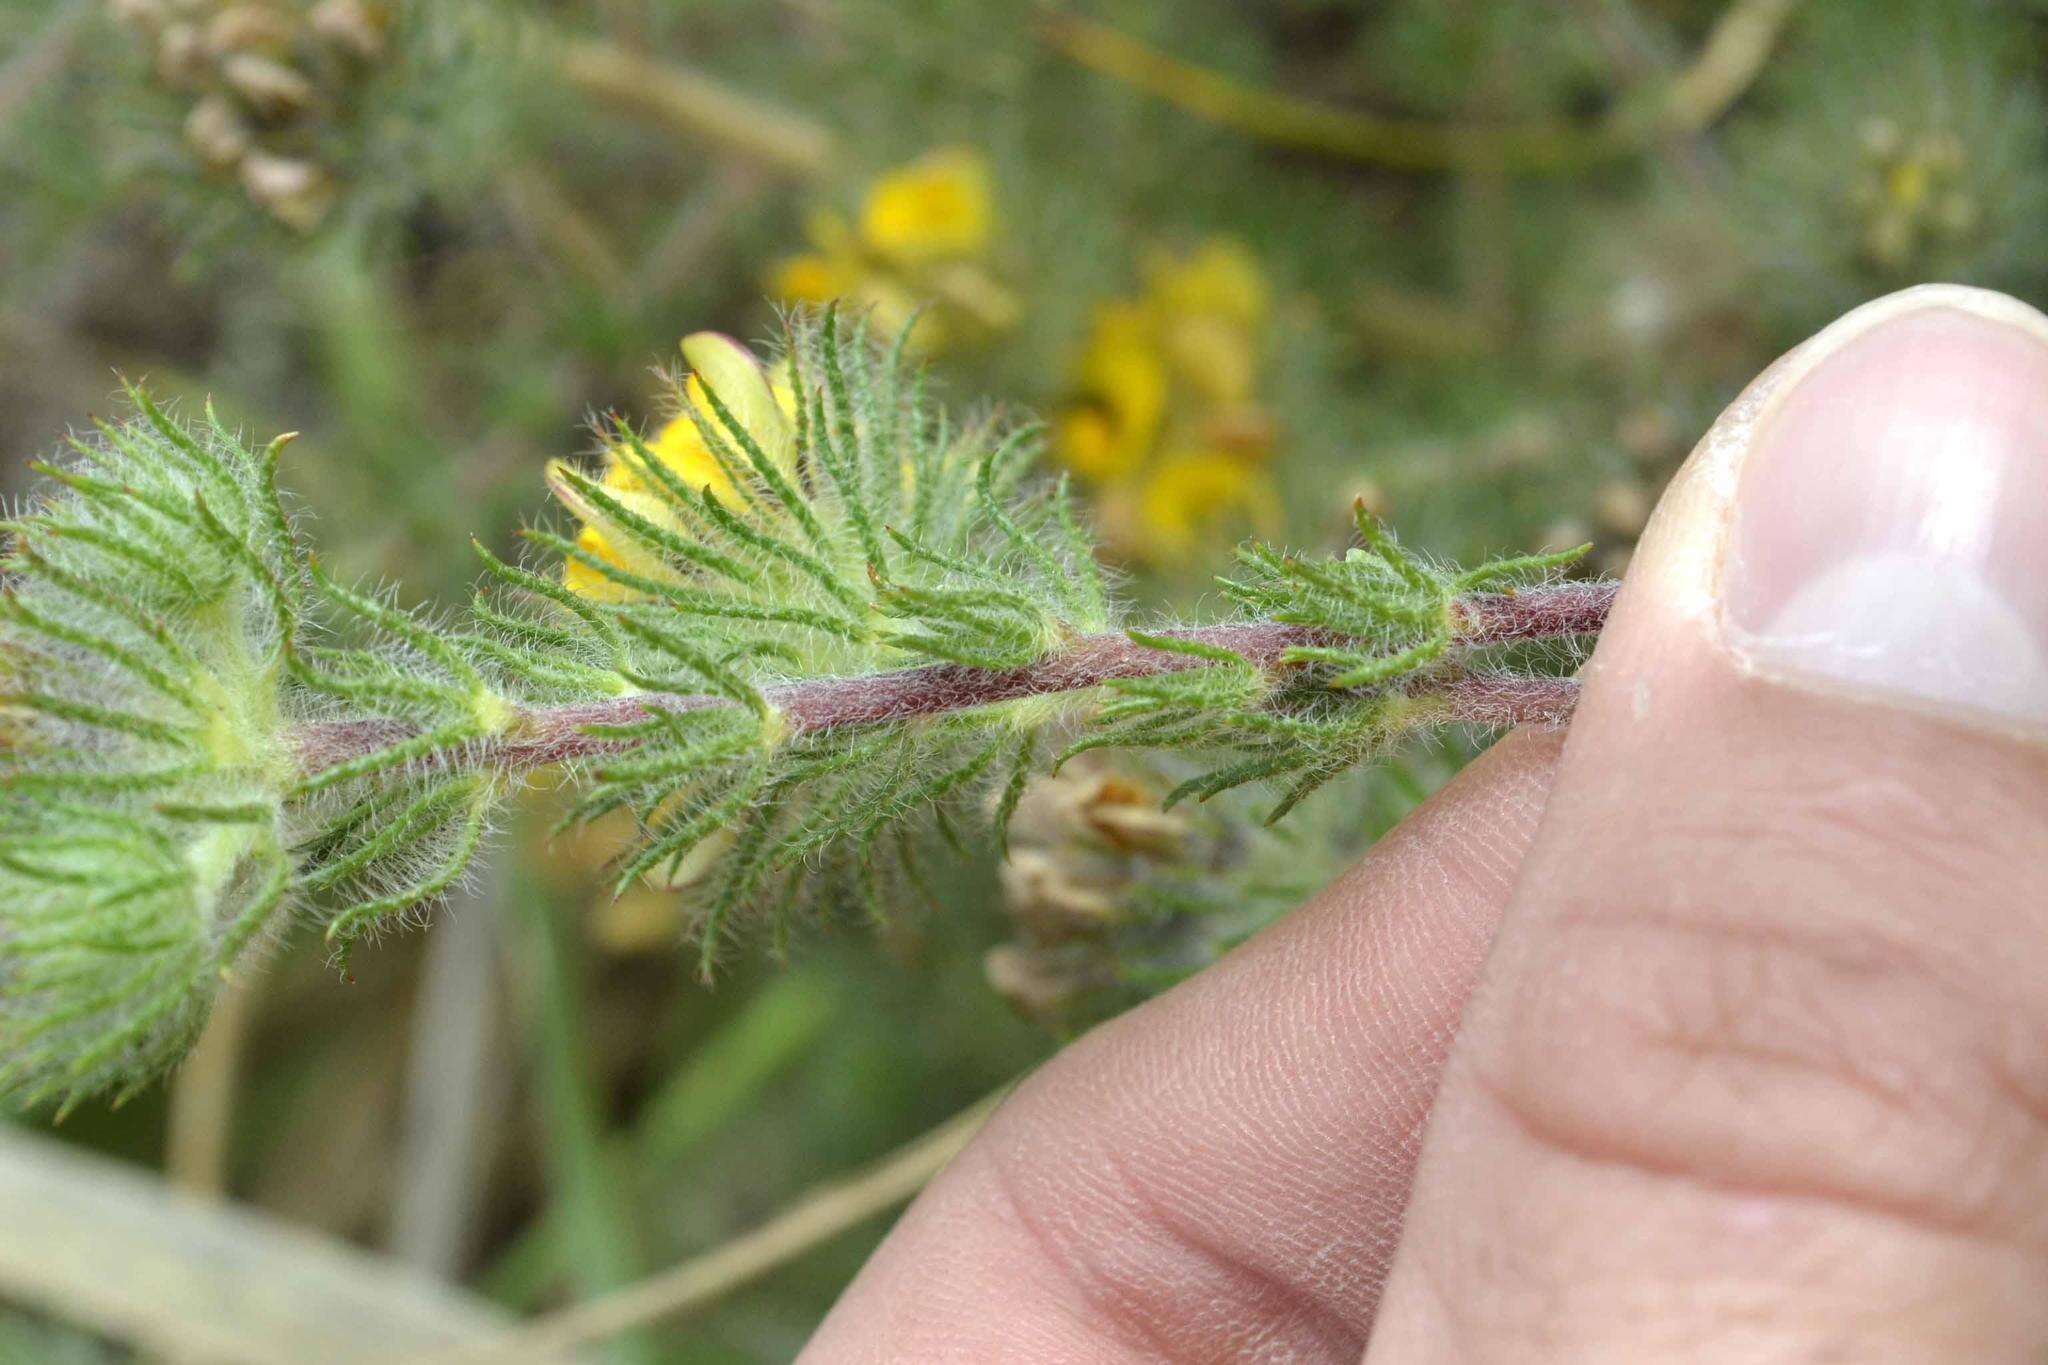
{"x": 1490, "y": 265}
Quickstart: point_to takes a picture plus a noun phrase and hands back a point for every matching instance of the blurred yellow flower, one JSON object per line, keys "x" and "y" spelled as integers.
{"x": 1165, "y": 421}
{"x": 1914, "y": 193}
{"x": 936, "y": 208}
{"x": 1219, "y": 279}
{"x": 1122, "y": 380}
{"x": 921, "y": 237}
{"x": 761, "y": 405}
{"x": 1211, "y": 308}
{"x": 812, "y": 277}
{"x": 1190, "y": 497}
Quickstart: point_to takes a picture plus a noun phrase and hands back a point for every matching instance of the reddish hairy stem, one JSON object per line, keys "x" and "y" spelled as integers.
{"x": 544, "y": 735}
{"x": 1498, "y": 700}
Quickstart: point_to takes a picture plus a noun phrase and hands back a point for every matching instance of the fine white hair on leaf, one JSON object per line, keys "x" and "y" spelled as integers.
{"x": 797, "y": 649}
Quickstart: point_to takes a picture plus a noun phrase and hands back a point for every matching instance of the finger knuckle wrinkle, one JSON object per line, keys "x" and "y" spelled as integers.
{"x": 1842, "y": 1062}
{"x": 1151, "y": 1283}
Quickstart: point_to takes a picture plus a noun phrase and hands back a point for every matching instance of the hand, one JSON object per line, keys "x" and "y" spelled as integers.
{"x": 1756, "y": 1066}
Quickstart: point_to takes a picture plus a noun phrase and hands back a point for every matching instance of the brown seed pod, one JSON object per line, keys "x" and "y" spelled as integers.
{"x": 217, "y": 132}
{"x": 295, "y": 192}
{"x": 275, "y": 91}
{"x": 253, "y": 28}
{"x": 361, "y": 30}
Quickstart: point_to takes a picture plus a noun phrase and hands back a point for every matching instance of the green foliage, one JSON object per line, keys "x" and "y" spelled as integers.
{"x": 1496, "y": 361}
{"x": 1904, "y": 148}
{"x": 889, "y": 538}
{"x": 144, "y": 844}
{"x": 1380, "y": 615}
{"x": 790, "y": 684}
{"x": 312, "y": 114}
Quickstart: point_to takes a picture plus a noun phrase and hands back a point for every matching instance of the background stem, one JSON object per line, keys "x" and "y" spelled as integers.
{"x": 819, "y": 1216}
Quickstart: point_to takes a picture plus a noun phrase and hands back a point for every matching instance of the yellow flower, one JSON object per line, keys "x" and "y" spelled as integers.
{"x": 1194, "y": 498}
{"x": 1220, "y": 279}
{"x": 1166, "y": 420}
{"x": 585, "y": 581}
{"x": 812, "y": 277}
{"x": 680, "y": 447}
{"x": 760, "y": 404}
{"x": 832, "y": 269}
{"x": 1211, "y": 308}
{"x": 732, "y": 373}
{"x": 1186, "y": 353}
{"x": 1219, "y": 362}
{"x": 1115, "y": 421}
{"x": 936, "y": 208}
{"x": 922, "y": 237}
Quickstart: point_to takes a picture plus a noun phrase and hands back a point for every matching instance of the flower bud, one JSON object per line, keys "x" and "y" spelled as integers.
{"x": 1091, "y": 803}
{"x": 1037, "y": 984}
{"x": 352, "y": 26}
{"x": 217, "y": 133}
{"x": 252, "y": 28}
{"x": 272, "y": 89}
{"x": 1056, "y": 896}
{"x": 184, "y": 61}
{"x": 736, "y": 376}
{"x": 296, "y": 193}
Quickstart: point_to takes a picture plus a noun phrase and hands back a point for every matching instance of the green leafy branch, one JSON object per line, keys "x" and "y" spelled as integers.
{"x": 851, "y": 625}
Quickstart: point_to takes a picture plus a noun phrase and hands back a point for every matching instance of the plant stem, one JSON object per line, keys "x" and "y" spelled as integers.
{"x": 818, "y": 1217}
{"x": 1728, "y": 62}
{"x": 544, "y": 735}
{"x": 694, "y": 105}
{"x": 201, "y": 1125}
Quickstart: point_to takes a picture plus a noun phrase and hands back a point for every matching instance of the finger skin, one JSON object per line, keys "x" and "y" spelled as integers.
{"x": 1758, "y": 1069}
{"x": 1219, "y": 1175}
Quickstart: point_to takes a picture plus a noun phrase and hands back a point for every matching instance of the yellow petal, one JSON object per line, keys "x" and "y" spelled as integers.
{"x": 680, "y": 447}
{"x": 1122, "y": 380}
{"x": 598, "y": 524}
{"x": 1217, "y": 359}
{"x": 587, "y": 582}
{"x": 810, "y": 277}
{"x": 678, "y": 444}
{"x": 737, "y": 376}
{"x": 782, "y": 383}
{"x": 1195, "y": 498}
{"x": 555, "y": 473}
{"x": 1085, "y": 442}
{"x": 936, "y": 208}
{"x": 1220, "y": 279}
{"x": 609, "y": 540}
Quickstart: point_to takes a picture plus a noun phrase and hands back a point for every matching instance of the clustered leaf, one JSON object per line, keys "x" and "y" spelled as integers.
{"x": 1384, "y": 625}
{"x": 164, "y": 639}
{"x": 793, "y": 668}
{"x": 885, "y": 538}
{"x": 143, "y": 841}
